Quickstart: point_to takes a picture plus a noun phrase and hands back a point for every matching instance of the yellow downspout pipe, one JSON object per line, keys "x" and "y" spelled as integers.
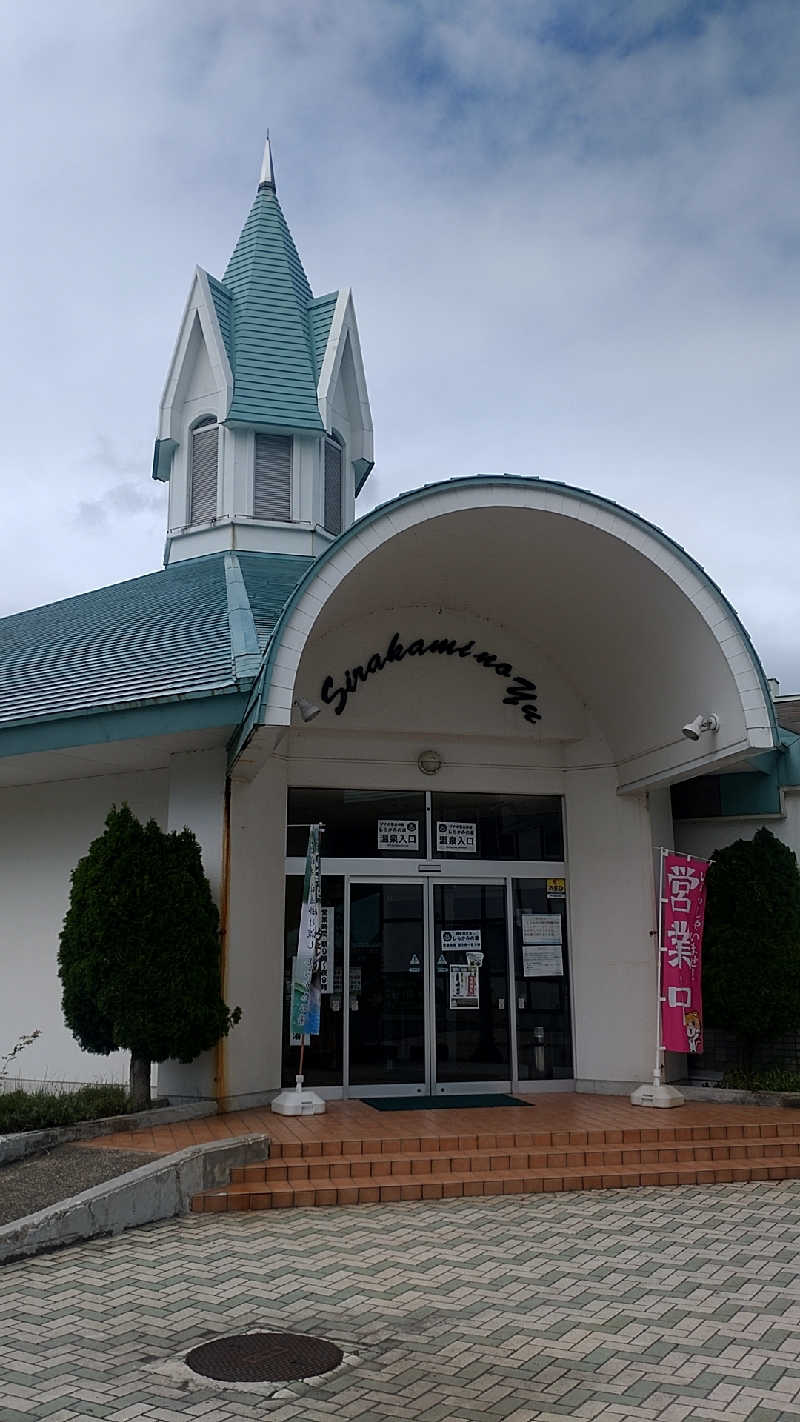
{"x": 221, "y": 1065}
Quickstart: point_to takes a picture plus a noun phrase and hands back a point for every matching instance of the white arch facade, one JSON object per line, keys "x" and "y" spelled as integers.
{"x": 626, "y": 640}
{"x": 705, "y": 653}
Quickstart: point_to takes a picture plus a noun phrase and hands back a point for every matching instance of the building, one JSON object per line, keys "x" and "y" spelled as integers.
{"x": 479, "y": 688}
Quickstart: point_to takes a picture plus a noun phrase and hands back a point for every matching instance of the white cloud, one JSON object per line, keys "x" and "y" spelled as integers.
{"x": 571, "y": 230}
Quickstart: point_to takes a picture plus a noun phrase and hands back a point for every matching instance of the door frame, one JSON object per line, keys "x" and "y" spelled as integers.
{"x": 369, "y": 870}
{"x": 398, "y": 1088}
{"x": 464, "y": 1088}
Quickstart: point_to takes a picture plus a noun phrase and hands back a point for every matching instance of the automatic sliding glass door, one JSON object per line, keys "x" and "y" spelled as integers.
{"x": 387, "y": 1019}
{"x": 428, "y": 1003}
{"x": 470, "y": 998}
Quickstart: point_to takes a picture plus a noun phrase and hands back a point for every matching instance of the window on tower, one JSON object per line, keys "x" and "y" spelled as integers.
{"x": 203, "y": 474}
{"x": 333, "y": 485}
{"x": 272, "y": 477}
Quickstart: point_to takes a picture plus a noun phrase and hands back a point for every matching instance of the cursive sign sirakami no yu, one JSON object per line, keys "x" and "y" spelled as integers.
{"x": 519, "y": 691}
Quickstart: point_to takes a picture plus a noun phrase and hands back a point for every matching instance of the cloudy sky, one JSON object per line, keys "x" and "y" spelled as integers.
{"x": 572, "y": 228}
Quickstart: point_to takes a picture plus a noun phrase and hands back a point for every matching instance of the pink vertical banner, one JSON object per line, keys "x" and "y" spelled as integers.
{"x": 683, "y": 907}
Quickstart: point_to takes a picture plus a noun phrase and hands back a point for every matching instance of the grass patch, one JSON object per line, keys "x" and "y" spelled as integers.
{"x": 35, "y": 1110}
{"x": 764, "y": 1079}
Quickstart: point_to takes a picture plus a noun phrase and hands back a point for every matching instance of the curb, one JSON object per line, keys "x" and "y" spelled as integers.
{"x": 737, "y": 1096}
{"x": 156, "y": 1191}
{"x": 24, "y": 1143}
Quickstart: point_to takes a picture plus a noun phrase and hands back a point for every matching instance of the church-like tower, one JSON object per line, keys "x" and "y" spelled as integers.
{"x": 265, "y": 433}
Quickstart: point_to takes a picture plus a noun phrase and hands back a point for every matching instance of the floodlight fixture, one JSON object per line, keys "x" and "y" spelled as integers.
{"x": 701, "y": 724}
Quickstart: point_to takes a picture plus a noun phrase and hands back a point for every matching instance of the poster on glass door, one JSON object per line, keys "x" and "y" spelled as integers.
{"x": 464, "y": 986}
{"x": 542, "y": 956}
{"x": 326, "y": 942}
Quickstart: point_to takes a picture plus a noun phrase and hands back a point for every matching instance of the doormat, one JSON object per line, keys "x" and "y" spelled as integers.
{"x": 440, "y": 1103}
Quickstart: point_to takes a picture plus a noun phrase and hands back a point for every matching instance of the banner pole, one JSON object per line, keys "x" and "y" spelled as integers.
{"x": 658, "y": 1070}
{"x": 300, "y": 1102}
{"x": 657, "y": 1093}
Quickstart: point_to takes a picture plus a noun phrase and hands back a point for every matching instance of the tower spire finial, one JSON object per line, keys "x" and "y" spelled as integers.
{"x": 266, "y": 181}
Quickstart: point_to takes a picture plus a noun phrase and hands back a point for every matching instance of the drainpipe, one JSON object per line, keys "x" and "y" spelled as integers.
{"x": 221, "y": 1065}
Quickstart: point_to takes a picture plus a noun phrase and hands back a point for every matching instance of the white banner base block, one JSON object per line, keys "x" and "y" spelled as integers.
{"x": 298, "y": 1102}
{"x": 652, "y": 1095}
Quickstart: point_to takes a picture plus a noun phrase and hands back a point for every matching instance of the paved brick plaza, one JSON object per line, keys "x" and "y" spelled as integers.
{"x": 647, "y": 1304}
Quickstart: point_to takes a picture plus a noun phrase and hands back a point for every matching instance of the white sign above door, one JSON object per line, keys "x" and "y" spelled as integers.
{"x": 456, "y": 837}
{"x": 398, "y": 834}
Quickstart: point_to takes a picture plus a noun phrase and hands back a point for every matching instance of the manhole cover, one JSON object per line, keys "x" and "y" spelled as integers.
{"x": 264, "y": 1357}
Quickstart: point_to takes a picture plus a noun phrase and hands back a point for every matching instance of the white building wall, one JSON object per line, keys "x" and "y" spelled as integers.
{"x": 197, "y": 801}
{"x": 611, "y": 921}
{"x": 251, "y": 1054}
{"x": 702, "y": 837}
{"x": 44, "y": 831}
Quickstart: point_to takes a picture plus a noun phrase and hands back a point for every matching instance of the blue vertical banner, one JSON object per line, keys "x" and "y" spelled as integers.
{"x": 306, "y": 996}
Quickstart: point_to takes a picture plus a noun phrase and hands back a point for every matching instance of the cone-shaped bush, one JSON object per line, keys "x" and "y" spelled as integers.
{"x": 751, "y": 943}
{"x": 139, "y": 956}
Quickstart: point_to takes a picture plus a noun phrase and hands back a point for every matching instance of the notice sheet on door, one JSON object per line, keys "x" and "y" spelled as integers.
{"x": 541, "y": 945}
{"x": 541, "y": 928}
{"x": 542, "y": 960}
{"x": 464, "y": 989}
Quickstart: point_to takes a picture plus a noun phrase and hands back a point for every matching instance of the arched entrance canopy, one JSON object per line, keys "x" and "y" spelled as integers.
{"x": 634, "y": 623}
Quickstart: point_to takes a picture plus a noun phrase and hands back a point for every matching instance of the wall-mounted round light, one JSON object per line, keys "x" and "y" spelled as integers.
{"x": 429, "y": 762}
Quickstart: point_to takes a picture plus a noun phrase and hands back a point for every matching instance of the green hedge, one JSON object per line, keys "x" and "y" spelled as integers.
{"x": 35, "y": 1110}
{"x": 765, "y": 1079}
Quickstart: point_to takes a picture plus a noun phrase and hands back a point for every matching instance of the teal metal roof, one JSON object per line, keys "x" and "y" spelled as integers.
{"x": 274, "y": 380}
{"x": 180, "y": 633}
{"x": 320, "y": 315}
{"x": 223, "y": 305}
{"x": 270, "y": 580}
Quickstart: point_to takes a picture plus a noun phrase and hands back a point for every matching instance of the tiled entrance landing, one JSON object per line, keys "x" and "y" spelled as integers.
{"x": 357, "y": 1155}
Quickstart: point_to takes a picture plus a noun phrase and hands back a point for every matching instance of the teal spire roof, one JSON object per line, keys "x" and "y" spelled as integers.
{"x": 273, "y": 323}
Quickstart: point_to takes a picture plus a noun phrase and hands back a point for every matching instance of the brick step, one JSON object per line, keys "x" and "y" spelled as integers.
{"x": 288, "y": 1194}
{"x": 546, "y": 1140}
{"x": 440, "y": 1163}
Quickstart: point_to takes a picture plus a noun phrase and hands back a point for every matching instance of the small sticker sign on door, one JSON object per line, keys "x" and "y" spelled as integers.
{"x": 456, "y": 837}
{"x": 398, "y": 834}
{"x": 461, "y": 940}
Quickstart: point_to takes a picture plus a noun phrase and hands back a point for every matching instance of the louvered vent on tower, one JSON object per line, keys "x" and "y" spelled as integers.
{"x": 205, "y": 443}
{"x": 272, "y": 477}
{"x": 333, "y": 486}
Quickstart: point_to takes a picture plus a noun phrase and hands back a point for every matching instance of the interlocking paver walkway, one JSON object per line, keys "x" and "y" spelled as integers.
{"x": 654, "y": 1305}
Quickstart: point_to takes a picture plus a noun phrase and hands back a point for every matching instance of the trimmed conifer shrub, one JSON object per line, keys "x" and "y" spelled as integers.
{"x": 751, "y": 943}
{"x": 139, "y": 955}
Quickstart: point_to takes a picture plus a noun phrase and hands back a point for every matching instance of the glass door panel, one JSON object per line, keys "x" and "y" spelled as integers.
{"x": 322, "y": 1065}
{"x": 470, "y": 950}
{"x": 541, "y": 972}
{"x": 387, "y": 985}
